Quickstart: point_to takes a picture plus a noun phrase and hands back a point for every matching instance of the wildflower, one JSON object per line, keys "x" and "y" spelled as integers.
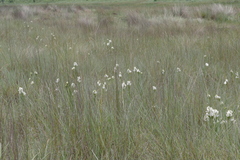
{"x": 106, "y": 76}
{"x": 211, "y": 113}
{"x": 217, "y": 96}
{"x": 178, "y": 70}
{"x": 129, "y": 83}
{"x": 226, "y": 81}
{"x": 115, "y": 68}
{"x": 124, "y": 85}
{"x": 208, "y": 95}
{"x": 94, "y": 92}
{"x": 75, "y": 64}
{"x": 112, "y": 47}
{"x": 57, "y": 80}
{"x": 120, "y": 75}
{"x": 158, "y": 61}
{"x": 229, "y": 113}
{"x": 223, "y": 122}
{"x": 233, "y": 120}
{"x": 79, "y": 79}
{"x": 73, "y": 68}
{"x": 206, "y": 118}
{"x": 67, "y": 84}
{"x": 99, "y": 83}
{"x": 237, "y": 75}
{"x": 32, "y": 82}
{"x": 35, "y": 72}
{"x": 20, "y": 91}
{"x": 163, "y": 71}
{"x": 154, "y": 88}
{"x": 104, "y": 86}
{"x": 135, "y": 69}
{"x": 73, "y": 85}
{"x": 206, "y": 64}
{"x": 129, "y": 71}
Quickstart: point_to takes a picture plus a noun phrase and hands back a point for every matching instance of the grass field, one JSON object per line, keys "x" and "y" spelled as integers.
{"x": 130, "y": 81}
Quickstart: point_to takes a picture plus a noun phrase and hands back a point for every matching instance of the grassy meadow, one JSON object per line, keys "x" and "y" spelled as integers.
{"x": 132, "y": 81}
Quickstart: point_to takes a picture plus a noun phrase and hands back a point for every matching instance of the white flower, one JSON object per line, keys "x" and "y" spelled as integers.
{"x": 35, "y": 72}
{"x": 57, "y": 80}
{"x": 99, "y": 83}
{"x": 105, "y": 76}
{"x": 73, "y": 85}
{"x": 129, "y": 83}
{"x": 75, "y": 64}
{"x": 154, "y": 88}
{"x": 163, "y": 71}
{"x": 233, "y": 120}
{"x": 124, "y": 85}
{"x": 226, "y": 81}
{"x": 211, "y": 113}
{"x": 79, "y": 79}
{"x": 208, "y": 95}
{"x": 229, "y": 113}
{"x": 104, "y": 86}
{"x": 73, "y": 68}
{"x": 32, "y": 82}
{"x": 223, "y": 122}
{"x": 129, "y": 71}
{"x": 120, "y": 75}
{"x": 20, "y": 91}
{"x": 135, "y": 69}
{"x": 206, "y": 118}
{"x": 206, "y": 64}
{"x": 94, "y": 92}
{"x": 217, "y": 96}
{"x": 112, "y": 47}
{"x": 178, "y": 70}
{"x": 237, "y": 75}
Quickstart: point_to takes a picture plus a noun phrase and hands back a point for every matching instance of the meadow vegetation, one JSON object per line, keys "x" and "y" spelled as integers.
{"x": 129, "y": 81}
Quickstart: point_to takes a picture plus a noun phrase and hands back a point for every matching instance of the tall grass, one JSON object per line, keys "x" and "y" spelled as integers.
{"x": 68, "y": 59}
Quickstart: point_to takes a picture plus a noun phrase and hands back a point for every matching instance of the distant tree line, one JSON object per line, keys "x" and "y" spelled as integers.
{"x": 11, "y": 1}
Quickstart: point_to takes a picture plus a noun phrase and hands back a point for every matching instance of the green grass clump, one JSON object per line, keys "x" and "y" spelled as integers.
{"x": 111, "y": 82}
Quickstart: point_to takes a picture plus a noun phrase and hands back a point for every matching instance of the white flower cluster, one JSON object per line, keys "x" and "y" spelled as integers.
{"x": 124, "y": 85}
{"x": 135, "y": 69}
{"x": 211, "y": 113}
{"x": 214, "y": 114}
{"x": 20, "y": 91}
